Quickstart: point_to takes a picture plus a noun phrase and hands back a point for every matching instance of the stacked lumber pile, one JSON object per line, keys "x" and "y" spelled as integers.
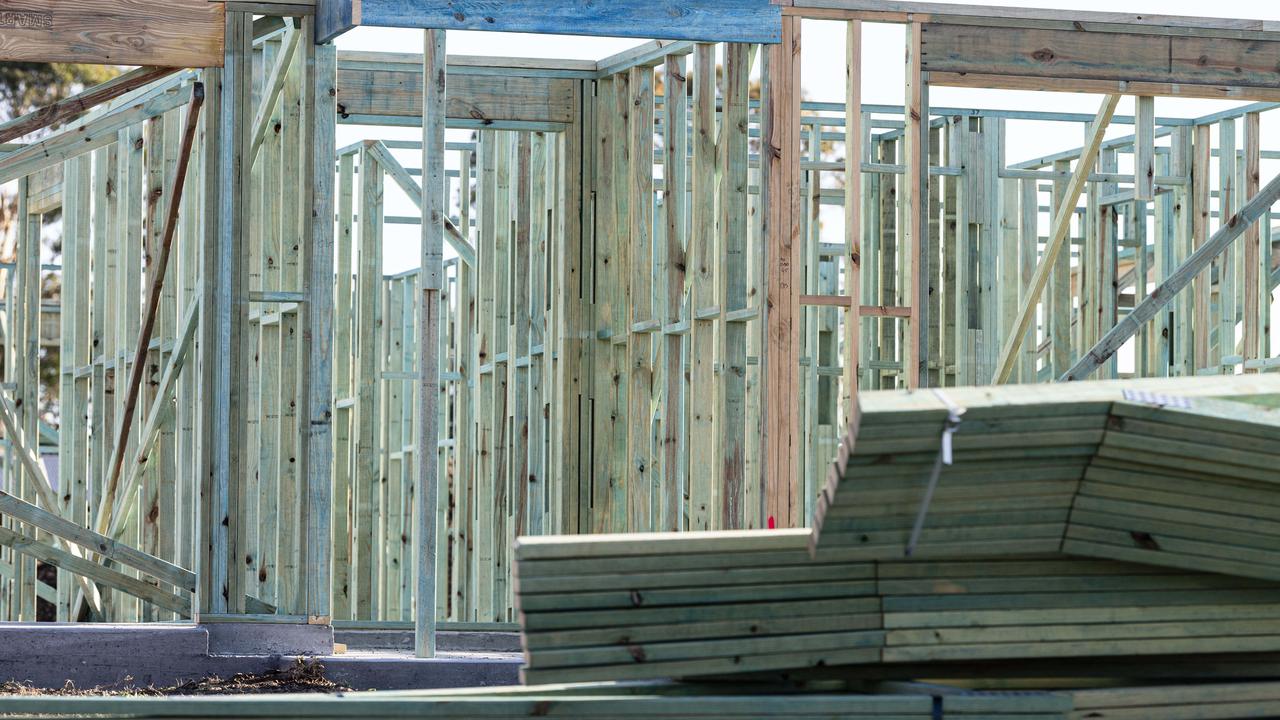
{"x": 1200, "y": 701}
{"x": 732, "y": 701}
{"x": 1032, "y": 465}
{"x": 1192, "y": 487}
{"x": 1060, "y": 607}
{"x": 764, "y": 606}
{"x": 494, "y": 704}
{"x": 1008, "y": 491}
{"x": 1006, "y": 706}
{"x": 1102, "y": 530}
{"x": 694, "y": 604}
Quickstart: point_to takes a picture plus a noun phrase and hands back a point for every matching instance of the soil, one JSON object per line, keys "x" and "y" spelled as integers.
{"x": 301, "y": 677}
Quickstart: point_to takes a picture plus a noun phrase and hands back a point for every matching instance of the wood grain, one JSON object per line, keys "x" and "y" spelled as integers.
{"x": 471, "y": 97}
{"x": 1099, "y": 56}
{"x": 174, "y": 33}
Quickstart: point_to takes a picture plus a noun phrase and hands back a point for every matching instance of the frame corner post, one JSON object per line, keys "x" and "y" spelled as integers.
{"x": 428, "y": 421}
{"x": 782, "y": 306}
{"x": 317, "y": 355}
{"x": 916, "y": 153}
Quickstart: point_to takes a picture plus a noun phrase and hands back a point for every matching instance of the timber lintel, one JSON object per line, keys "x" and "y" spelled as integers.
{"x": 745, "y": 21}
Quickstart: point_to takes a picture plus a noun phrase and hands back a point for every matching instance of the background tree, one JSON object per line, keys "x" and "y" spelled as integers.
{"x": 26, "y": 86}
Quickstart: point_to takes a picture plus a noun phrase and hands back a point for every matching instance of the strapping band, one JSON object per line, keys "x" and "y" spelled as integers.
{"x": 954, "y": 412}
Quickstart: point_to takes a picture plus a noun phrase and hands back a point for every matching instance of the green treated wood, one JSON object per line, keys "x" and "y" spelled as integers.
{"x": 365, "y": 481}
{"x": 426, "y": 471}
{"x": 316, "y": 368}
{"x": 51, "y": 555}
{"x": 86, "y": 137}
{"x": 73, "y": 432}
{"x": 482, "y": 538}
{"x": 104, "y": 546}
{"x": 1160, "y": 297}
{"x": 343, "y": 518}
{"x": 671, "y": 294}
{"x": 503, "y": 365}
{"x": 1058, "y": 235}
{"x": 704, "y": 490}
{"x": 731, "y": 388}
{"x": 641, "y": 453}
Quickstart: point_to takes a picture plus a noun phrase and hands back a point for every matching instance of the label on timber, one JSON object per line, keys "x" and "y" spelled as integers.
{"x": 1149, "y": 398}
{"x": 26, "y": 20}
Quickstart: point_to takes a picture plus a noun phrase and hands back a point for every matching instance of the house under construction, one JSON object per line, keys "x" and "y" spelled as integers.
{"x": 729, "y": 401}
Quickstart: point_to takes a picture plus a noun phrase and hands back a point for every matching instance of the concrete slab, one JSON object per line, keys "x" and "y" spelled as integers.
{"x": 446, "y": 641}
{"x": 257, "y": 638}
{"x": 388, "y": 671}
{"x": 48, "y": 655}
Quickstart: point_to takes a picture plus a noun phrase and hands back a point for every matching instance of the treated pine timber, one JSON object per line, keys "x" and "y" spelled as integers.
{"x": 271, "y": 93}
{"x": 151, "y": 427}
{"x": 34, "y": 466}
{"x": 783, "y": 252}
{"x": 630, "y": 607}
{"x": 316, "y": 367}
{"x": 1073, "y": 54}
{"x": 87, "y": 569}
{"x": 1058, "y": 235}
{"x": 652, "y": 606}
{"x": 1102, "y": 87}
{"x": 426, "y": 471}
{"x": 490, "y": 97}
{"x": 457, "y": 239}
{"x": 568, "y": 700}
{"x": 181, "y": 33}
{"x": 106, "y": 508}
{"x": 51, "y": 115}
{"x": 1178, "y": 279}
{"x": 1051, "y": 19}
{"x": 916, "y": 206}
{"x": 1080, "y": 466}
{"x": 92, "y": 134}
{"x": 1019, "y": 464}
{"x": 101, "y": 544}
{"x": 748, "y": 21}
{"x": 853, "y": 140}
{"x": 225, "y": 319}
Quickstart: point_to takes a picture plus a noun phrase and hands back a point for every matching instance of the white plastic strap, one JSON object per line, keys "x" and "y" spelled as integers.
{"x": 954, "y": 413}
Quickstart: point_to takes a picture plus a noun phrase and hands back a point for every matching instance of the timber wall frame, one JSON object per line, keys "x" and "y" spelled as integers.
{"x": 617, "y": 347}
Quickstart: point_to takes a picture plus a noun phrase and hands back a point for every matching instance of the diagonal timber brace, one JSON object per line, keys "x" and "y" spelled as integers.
{"x": 1164, "y": 294}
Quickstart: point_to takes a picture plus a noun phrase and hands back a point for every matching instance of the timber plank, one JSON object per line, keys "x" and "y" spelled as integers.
{"x": 175, "y": 33}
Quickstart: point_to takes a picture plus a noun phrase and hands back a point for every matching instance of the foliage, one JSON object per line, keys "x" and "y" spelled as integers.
{"x": 25, "y": 86}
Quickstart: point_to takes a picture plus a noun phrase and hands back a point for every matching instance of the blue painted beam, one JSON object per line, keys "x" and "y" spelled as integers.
{"x": 334, "y": 17}
{"x": 751, "y": 21}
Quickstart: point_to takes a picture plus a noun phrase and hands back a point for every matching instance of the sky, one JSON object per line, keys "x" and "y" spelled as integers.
{"x": 822, "y": 68}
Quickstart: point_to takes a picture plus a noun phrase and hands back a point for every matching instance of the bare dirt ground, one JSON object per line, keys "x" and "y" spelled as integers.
{"x": 302, "y": 677}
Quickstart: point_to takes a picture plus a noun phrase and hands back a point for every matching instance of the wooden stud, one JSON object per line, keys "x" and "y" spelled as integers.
{"x": 426, "y": 478}
{"x": 1057, "y": 237}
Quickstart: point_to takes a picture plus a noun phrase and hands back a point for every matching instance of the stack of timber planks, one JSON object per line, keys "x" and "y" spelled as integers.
{"x": 1009, "y": 490}
{"x": 725, "y": 700}
{"x": 1194, "y": 487}
{"x": 692, "y": 604}
{"x": 1198, "y": 701}
{"x": 582, "y": 701}
{"x": 1021, "y": 454}
{"x": 1060, "y": 607}
{"x": 1006, "y": 706}
{"x": 1102, "y": 530}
